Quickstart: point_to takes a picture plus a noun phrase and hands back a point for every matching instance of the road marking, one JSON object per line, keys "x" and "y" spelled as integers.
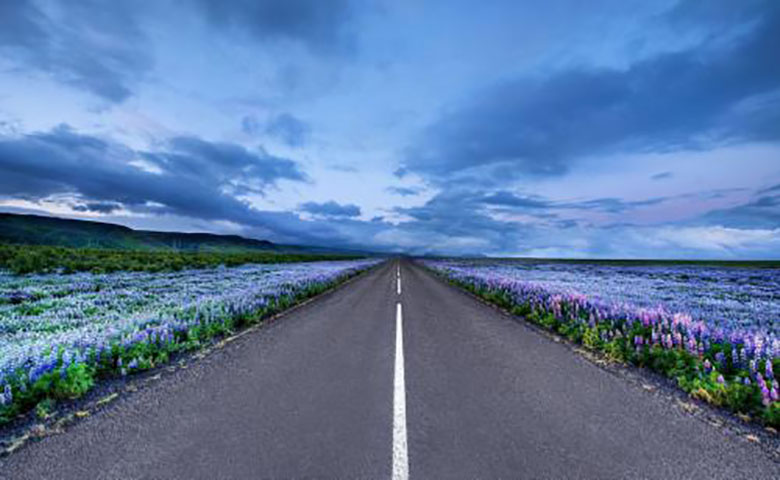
{"x": 398, "y": 285}
{"x": 400, "y": 454}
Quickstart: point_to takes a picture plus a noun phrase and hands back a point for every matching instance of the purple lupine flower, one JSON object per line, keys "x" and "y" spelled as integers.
{"x": 707, "y": 366}
{"x": 721, "y": 380}
{"x": 766, "y": 398}
{"x": 768, "y": 370}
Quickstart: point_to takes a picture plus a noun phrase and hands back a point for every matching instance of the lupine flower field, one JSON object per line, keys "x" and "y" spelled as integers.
{"x": 61, "y": 333}
{"x": 716, "y": 331}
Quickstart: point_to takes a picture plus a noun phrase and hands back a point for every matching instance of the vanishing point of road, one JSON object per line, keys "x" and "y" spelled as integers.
{"x": 394, "y": 375}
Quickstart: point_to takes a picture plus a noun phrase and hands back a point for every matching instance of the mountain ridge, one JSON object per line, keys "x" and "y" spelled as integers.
{"x": 29, "y": 229}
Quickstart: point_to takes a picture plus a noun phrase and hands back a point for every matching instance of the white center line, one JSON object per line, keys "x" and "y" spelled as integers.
{"x": 398, "y": 285}
{"x": 400, "y": 454}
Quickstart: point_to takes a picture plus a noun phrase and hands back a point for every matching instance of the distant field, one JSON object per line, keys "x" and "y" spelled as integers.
{"x": 728, "y": 296}
{"x": 633, "y": 262}
{"x": 714, "y": 329}
{"x": 22, "y": 259}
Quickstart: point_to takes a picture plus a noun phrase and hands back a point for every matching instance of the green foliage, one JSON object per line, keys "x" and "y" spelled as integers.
{"x": 592, "y": 339}
{"x": 78, "y": 380}
{"x": 24, "y": 259}
{"x": 772, "y": 415}
{"x": 44, "y": 408}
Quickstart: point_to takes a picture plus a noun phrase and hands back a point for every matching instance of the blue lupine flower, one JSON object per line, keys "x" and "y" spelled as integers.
{"x": 8, "y": 394}
{"x": 720, "y": 358}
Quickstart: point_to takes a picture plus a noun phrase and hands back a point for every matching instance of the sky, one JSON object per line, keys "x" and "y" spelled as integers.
{"x": 604, "y": 129}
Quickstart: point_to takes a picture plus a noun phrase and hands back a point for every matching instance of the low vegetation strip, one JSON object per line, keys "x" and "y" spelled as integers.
{"x": 24, "y": 259}
{"x": 726, "y": 364}
{"x": 60, "y": 334}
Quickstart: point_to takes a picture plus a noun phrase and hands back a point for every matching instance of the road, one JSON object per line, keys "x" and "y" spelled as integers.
{"x": 331, "y": 390}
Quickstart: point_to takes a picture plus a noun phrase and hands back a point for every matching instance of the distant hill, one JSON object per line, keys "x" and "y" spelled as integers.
{"x": 40, "y": 230}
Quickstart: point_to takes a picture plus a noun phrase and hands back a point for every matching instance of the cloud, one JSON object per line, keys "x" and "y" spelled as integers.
{"x": 190, "y": 177}
{"x": 457, "y": 223}
{"x": 713, "y": 241}
{"x": 512, "y": 201}
{"x": 662, "y": 176}
{"x": 98, "y": 207}
{"x": 331, "y": 209}
{"x": 320, "y": 26}
{"x": 611, "y": 205}
{"x": 229, "y": 165}
{"x": 88, "y": 45}
{"x": 508, "y": 199}
{"x": 403, "y": 191}
{"x": 761, "y": 212}
{"x": 250, "y": 125}
{"x": 289, "y": 129}
{"x": 20, "y": 24}
{"x": 775, "y": 188}
{"x": 185, "y": 179}
{"x": 451, "y": 221}
{"x": 712, "y": 93}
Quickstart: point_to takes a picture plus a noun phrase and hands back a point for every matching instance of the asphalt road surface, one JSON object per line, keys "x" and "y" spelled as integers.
{"x": 353, "y": 386}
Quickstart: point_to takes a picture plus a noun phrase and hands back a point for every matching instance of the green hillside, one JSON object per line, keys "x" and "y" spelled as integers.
{"x": 37, "y": 244}
{"x": 39, "y": 230}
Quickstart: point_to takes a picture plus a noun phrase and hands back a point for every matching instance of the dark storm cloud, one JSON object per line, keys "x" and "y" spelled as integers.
{"x": 289, "y": 129}
{"x": 186, "y": 177}
{"x": 88, "y": 45}
{"x": 320, "y": 25}
{"x": 194, "y": 177}
{"x": 718, "y": 91}
{"x": 226, "y": 164}
{"x": 331, "y": 209}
